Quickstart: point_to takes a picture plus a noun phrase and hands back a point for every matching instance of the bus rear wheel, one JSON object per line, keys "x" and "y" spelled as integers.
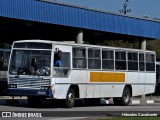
{"x": 70, "y": 98}
{"x": 126, "y": 96}
{"x": 125, "y": 99}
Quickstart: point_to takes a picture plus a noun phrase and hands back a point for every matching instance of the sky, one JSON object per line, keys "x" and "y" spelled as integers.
{"x": 139, "y": 8}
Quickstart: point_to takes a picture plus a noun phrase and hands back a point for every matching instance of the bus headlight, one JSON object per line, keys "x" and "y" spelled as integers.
{"x": 13, "y": 85}
{"x": 45, "y": 87}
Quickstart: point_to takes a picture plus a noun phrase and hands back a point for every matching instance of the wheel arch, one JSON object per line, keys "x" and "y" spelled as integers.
{"x": 76, "y": 89}
{"x": 130, "y": 88}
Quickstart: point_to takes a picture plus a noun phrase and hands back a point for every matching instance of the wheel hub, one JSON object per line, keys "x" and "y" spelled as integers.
{"x": 70, "y": 98}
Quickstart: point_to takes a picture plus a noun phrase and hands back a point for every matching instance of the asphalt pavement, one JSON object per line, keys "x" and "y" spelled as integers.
{"x": 148, "y": 99}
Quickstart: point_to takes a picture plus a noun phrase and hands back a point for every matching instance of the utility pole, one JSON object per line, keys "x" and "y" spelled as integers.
{"x": 125, "y": 10}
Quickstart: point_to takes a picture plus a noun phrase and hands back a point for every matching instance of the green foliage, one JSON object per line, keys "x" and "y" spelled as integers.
{"x": 4, "y": 45}
{"x": 117, "y": 43}
{"x": 154, "y": 45}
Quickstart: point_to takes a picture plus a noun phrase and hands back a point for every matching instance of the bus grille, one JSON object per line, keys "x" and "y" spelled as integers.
{"x": 35, "y": 83}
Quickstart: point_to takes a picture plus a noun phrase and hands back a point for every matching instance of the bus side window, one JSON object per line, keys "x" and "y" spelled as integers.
{"x": 57, "y": 59}
{"x": 61, "y": 64}
{"x": 107, "y": 59}
{"x": 120, "y": 62}
{"x": 132, "y": 61}
{"x": 150, "y": 62}
{"x": 94, "y": 58}
{"x": 79, "y": 57}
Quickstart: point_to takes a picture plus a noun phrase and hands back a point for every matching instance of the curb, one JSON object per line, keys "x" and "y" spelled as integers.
{"x": 133, "y": 102}
{"x": 145, "y": 101}
{"x": 6, "y": 101}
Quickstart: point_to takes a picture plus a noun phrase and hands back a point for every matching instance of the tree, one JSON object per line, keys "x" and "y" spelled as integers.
{"x": 154, "y": 45}
{"x": 4, "y": 45}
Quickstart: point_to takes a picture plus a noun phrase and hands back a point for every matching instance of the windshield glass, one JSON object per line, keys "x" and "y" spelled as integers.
{"x": 30, "y": 62}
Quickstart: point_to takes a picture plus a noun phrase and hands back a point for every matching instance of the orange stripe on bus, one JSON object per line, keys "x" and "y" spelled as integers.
{"x": 107, "y": 77}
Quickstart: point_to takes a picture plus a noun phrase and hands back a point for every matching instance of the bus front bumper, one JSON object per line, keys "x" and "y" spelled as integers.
{"x": 29, "y": 92}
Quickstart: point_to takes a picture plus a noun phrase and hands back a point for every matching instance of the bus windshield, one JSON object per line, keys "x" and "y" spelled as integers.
{"x": 30, "y": 62}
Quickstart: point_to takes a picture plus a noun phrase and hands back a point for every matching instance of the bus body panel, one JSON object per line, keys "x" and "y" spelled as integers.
{"x": 83, "y": 90}
{"x": 90, "y": 91}
{"x": 149, "y": 89}
{"x": 79, "y": 76}
{"x": 61, "y": 87}
{"x": 118, "y": 89}
{"x": 97, "y": 91}
{"x": 61, "y": 90}
{"x": 150, "y": 78}
{"x": 150, "y": 83}
{"x": 142, "y": 79}
{"x": 107, "y": 90}
{"x": 132, "y": 79}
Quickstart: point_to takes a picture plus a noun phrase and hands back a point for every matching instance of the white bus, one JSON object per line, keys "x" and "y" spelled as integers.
{"x": 41, "y": 69}
{"x": 4, "y": 59}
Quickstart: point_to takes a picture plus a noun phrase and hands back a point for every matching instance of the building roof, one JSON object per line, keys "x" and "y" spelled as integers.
{"x": 47, "y": 11}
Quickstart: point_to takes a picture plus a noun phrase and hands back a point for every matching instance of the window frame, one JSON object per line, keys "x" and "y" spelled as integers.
{"x": 121, "y": 60}
{"x": 132, "y": 60}
{"x": 89, "y": 58}
{"x": 81, "y": 58}
{"x": 108, "y": 59}
{"x": 150, "y": 62}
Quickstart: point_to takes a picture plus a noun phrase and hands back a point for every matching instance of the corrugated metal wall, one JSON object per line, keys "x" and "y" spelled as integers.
{"x": 35, "y": 10}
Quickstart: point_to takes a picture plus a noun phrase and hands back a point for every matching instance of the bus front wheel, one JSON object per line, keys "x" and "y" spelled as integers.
{"x": 70, "y": 98}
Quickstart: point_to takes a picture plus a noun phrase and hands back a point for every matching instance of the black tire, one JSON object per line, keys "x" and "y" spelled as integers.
{"x": 70, "y": 98}
{"x": 34, "y": 101}
{"x": 126, "y": 96}
{"x": 125, "y": 99}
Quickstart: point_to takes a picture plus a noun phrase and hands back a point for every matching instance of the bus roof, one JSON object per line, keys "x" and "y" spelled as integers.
{"x": 82, "y": 45}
